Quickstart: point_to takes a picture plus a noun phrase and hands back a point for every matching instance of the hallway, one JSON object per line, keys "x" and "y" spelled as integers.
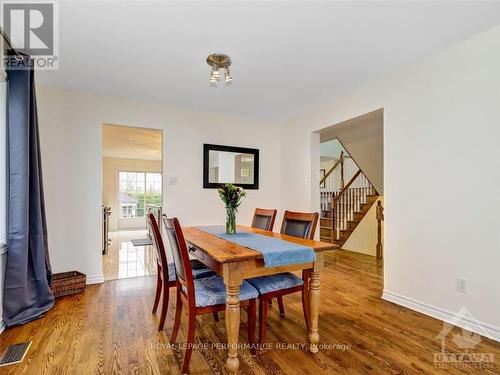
{"x": 124, "y": 260}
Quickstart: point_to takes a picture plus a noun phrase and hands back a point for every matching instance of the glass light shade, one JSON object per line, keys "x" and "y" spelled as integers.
{"x": 215, "y": 72}
{"x": 227, "y": 75}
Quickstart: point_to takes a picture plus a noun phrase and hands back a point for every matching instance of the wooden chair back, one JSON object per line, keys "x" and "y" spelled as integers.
{"x": 180, "y": 253}
{"x": 300, "y": 224}
{"x": 264, "y": 219}
{"x": 161, "y": 255}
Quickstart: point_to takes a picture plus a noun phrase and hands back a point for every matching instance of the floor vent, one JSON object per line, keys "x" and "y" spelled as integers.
{"x": 14, "y": 353}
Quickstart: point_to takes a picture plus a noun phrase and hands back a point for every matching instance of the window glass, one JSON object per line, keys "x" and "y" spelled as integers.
{"x": 138, "y": 189}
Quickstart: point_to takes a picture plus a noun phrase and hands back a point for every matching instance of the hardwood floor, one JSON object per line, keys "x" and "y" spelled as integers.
{"x": 110, "y": 330}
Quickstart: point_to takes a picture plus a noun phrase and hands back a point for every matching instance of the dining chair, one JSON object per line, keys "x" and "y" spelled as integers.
{"x": 202, "y": 296}
{"x": 296, "y": 224}
{"x": 264, "y": 219}
{"x": 165, "y": 277}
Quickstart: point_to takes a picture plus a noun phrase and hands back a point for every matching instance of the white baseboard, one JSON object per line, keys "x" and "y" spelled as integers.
{"x": 481, "y": 328}
{"x": 2, "y": 326}
{"x": 96, "y": 279}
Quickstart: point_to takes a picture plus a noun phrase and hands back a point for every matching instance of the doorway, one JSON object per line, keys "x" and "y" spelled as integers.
{"x": 351, "y": 190}
{"x": 132, "y": 160}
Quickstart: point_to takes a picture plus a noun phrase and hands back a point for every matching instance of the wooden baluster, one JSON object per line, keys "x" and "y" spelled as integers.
{"x": 348, "y": 213}
{"x": 344, "y": 210}
{"x": 353, "y": 201}
{"x": 355, "y": 207}
{"x": 357, "y": 194}
{"x": 380, "y": 217}
{"x": 333, "y": 219}
{"x": 340, "y": 212}
{"x": 341, "y": 170}
{"x": 350, "y": 204}
{"x": 337, "y": 218}
{"x": 364, "y": 189}
{"x": 347, "y": 207}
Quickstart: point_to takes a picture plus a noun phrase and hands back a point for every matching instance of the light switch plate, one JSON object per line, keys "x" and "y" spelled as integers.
{"x": 461, "y": 285}
{"x": 173, "y": 181}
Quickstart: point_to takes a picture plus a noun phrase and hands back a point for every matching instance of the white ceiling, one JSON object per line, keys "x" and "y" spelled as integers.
{"x": 126, "y": 142}
{"x": 287, "y": 56}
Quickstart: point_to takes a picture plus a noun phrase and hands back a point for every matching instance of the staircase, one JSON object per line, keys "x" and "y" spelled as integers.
{"x": 343, "y": 207}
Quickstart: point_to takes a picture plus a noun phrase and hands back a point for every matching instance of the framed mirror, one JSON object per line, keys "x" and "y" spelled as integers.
{"x": 228, "y": 164}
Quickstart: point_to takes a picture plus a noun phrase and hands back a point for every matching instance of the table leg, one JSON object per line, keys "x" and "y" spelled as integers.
{"x": 314, "y": 311}
{"x": 233, "y": 281}
{"x": 233, "y": 326}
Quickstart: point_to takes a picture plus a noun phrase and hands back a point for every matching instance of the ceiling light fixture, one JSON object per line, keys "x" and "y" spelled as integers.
{"x": 218, "y": 61}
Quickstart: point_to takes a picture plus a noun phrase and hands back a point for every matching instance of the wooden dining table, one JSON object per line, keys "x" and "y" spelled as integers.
{"x": 236, "y": 263}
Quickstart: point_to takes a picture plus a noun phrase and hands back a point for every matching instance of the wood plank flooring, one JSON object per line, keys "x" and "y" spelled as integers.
{"x": 110, "y": 330}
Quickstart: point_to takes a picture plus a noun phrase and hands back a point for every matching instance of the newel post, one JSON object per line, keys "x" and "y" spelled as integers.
{"x": 380, "y": 217}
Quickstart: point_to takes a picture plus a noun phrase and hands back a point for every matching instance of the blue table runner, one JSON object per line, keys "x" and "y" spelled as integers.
{"x": 275, "y": 252}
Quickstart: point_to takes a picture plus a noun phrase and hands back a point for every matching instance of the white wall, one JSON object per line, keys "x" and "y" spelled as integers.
{"x": 363, "y": 137}
{"x": 111, "y": 168}
{"x": 70, "y": 132}
{"x": 442, "y": 207}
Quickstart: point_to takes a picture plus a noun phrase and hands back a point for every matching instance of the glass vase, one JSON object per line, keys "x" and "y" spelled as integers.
{"x": 230, "y": 220}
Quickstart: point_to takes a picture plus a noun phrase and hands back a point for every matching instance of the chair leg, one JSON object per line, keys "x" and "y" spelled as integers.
{"x": 216, "y": 316}
{"x": 251, "y": 311}
{"x": 189, "y": 342}
{"x": 281, "y": 306}
{"x": 164, "y": 305}
{"x": 262, "y": 319}
{"x": 178, "y": 315}
{"x": 158, "y": 289}
{"x": 305, "y": 298}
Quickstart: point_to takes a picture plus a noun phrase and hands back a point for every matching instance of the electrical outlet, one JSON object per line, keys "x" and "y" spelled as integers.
{"x": 461, "y": 285}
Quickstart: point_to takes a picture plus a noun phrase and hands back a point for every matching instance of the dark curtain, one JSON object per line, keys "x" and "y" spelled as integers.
{"x": 28, "y": 275}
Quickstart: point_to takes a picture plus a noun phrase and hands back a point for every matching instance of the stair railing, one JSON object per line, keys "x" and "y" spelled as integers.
{"x": 348, "y": 202}
{"x": 328, "y": 188}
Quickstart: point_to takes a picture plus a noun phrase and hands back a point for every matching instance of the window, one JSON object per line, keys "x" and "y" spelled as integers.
{"x": 138, "y": 189}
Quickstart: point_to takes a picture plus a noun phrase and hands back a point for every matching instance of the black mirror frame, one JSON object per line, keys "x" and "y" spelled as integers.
{"x": 242, "y": 150}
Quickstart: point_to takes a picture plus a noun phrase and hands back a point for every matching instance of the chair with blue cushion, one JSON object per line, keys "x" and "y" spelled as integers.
{"x": 165, "y": 278}
{"x": 201, "y": 296}
{"x": 296, "y": 224}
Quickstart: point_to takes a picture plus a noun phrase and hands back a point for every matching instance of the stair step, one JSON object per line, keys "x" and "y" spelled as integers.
{"x": 325, "y": 232}
{"x": 327, "y": 212}
{"x": 326, "y": 222}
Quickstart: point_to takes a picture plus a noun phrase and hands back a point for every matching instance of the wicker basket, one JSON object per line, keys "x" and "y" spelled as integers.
{"x": 66, "y": 283}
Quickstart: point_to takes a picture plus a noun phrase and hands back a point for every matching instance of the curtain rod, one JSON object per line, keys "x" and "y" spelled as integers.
{"x": 9, "y": 44}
